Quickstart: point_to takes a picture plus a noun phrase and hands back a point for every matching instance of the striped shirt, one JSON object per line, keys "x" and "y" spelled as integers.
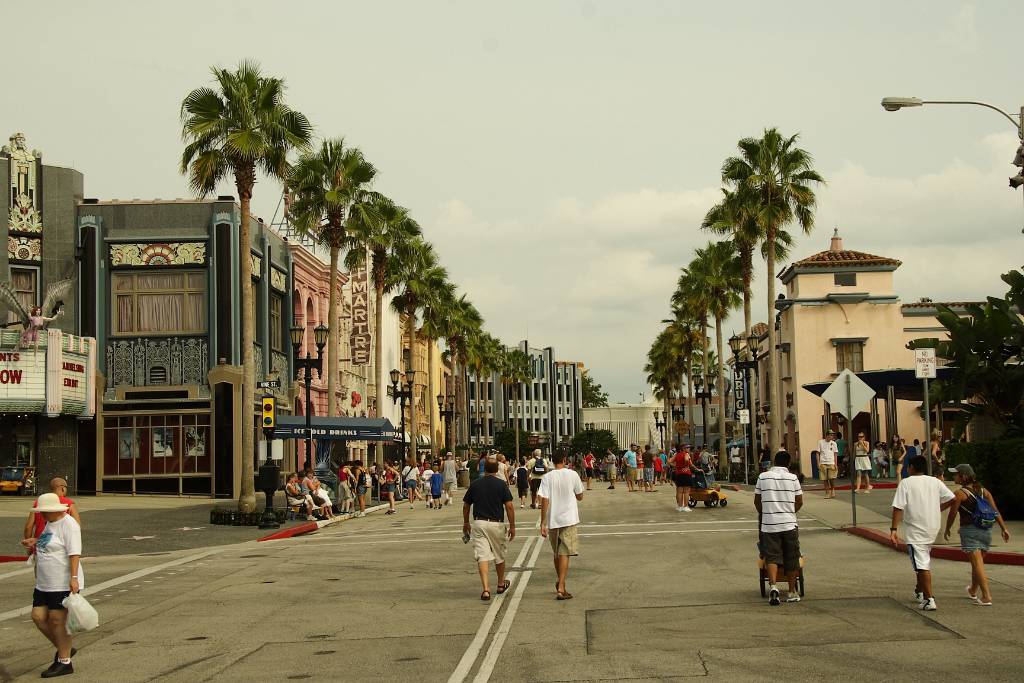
{"x": 778, "y": 488}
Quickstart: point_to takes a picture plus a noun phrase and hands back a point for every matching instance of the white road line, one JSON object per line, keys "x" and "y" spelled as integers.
{"x": 692, "y": 531}
{"x": 26, "y": 570}
{"x": 473, "y": 651}
{"x": 494, "y": 651}
{"x": 21, "y": 611}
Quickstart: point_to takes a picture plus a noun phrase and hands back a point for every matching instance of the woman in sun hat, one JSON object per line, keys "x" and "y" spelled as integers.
{"x": 58, "y": 574}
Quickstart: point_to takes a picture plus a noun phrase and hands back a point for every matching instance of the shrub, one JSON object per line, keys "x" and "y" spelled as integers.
{"x": 998, "y": 466}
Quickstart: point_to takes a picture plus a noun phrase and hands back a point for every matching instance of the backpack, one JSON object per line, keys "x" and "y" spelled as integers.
{"x": 539, "y": 466}
{"x": 984, "y": 515}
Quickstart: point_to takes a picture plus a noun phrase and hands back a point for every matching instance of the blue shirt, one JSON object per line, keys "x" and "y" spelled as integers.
{"x": 630, "y": 458}
{"x": 436, "y": 481}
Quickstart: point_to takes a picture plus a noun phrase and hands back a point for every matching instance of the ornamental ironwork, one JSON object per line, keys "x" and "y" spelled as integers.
{"x": 142, "y": 362}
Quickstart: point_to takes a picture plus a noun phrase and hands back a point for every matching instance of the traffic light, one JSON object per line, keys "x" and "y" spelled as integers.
{"x": 269, "y": 412}
{"x": 1018, "y": 160}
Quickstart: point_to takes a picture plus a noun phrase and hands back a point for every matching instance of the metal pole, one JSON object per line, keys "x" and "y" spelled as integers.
{"x": 704, "y": 417}
{"x": 849, "y": 446}
{"x": 309, "y": 415}
{"x": 750, "y": 427}
{"x": 927, "y": 427}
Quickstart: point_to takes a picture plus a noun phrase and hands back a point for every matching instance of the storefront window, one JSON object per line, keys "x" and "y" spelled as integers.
{"x": 156, "y": 446}
{"x": 24, "y": 282}
{"x": 276, "y": 332}
{"x": 159, "y": 303}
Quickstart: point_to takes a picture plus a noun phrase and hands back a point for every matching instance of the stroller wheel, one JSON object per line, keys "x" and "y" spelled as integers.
{"x": 723, "y": 502}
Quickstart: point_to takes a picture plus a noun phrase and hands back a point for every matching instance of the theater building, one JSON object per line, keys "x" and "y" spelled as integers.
{"x": 161, "y": 296}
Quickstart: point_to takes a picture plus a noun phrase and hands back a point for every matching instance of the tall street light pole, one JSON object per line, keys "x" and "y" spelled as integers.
{"x": 659, "y": 422}
{"x": 446, "y": 407}
{"x": 400, "y": 395}
{"x": 308, "y": 364}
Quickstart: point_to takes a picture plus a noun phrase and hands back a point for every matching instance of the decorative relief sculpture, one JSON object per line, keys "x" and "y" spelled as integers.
{"x": 278, "y": 280}
{"x": 24, "y": 213}
{"x": 257, "y": 266}
{"x": 183, "y": 361}
{"x": 158, "y": 254}
{"x": 24, "y": 248}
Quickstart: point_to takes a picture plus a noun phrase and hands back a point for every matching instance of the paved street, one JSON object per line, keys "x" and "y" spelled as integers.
{"x": 659, "y": 596}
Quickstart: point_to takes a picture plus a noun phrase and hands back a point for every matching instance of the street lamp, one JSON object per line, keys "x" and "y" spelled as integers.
{"x": 745, "y": 401}
{"x": 308, "y": 364}
{"x": 398, "y": 394}
{"x": 660, "y": 422}
{"x": 446, "y": 408}
{"x": 698, "y": 383}
{"x": 897, "y": 103}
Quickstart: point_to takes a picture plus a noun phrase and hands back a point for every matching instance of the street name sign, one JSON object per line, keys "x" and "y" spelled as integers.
{"x": 924, "y": 363}
{"x": 744, "y": 416}
{"x": 269, "y": 384}
{"x": 848, "y": 405}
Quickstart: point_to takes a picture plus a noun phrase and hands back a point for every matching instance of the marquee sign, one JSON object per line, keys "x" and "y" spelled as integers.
{"x": 55, "y": 380}
{"x": 359, "y": 341}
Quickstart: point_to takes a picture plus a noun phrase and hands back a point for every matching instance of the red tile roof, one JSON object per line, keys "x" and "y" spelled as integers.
{"x": 846, "y": 256}
{"x": 760, "y": 329}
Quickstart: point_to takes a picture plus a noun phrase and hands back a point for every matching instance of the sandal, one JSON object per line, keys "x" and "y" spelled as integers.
{"x": 485, "y": 596}
{"x": 566, "y": 595}
{"x": 503, "y": 586}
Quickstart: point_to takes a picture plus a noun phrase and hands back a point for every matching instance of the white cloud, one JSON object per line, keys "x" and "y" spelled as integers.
{"x": 961, "y": 28}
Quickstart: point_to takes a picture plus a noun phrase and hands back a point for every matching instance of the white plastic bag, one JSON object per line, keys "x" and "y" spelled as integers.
{"x": 81, "y": 615}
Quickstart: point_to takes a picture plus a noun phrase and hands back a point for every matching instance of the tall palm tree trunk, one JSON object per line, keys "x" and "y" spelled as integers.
{"x": 333, "y": 341}
{"x": 723, "y": 464}
{"x": 704, "y": 369}
{"x": 772, "y": 390}
{"x": 747, "y": 263}
{"x": 379, "y": 393}
{"x": 690, "y": 422}
{"x": 410, "y": 330}
{"x": 431, "y": 398}
{"x": 247, "y": 487}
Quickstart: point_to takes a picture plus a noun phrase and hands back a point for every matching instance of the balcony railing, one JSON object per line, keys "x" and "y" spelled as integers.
{"x": 157, "y": 361}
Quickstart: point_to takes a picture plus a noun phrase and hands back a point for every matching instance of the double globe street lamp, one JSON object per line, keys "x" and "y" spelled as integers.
{"x": 308, "y": 364}
{"x": 401, "y": 395}
{"x": 446, "y": 409}
{"x": 744, "y": 363}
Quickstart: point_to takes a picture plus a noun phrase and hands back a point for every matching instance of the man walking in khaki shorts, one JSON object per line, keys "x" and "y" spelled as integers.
{"x": 489, "y": 499}
{"x": 559, "y": 492}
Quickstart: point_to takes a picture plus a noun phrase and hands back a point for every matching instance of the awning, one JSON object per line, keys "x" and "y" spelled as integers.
{"x": 906, "y": 386}
{"x": 337, "y": 428}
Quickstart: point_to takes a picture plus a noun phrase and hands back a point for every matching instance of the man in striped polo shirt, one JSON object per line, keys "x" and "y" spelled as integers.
{"x": 777, "y": 497}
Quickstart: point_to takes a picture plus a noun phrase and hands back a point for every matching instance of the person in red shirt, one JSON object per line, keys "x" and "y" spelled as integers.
{"x": 35, "y": 523}
{"x": 682, "y": 468}
{"x": 588, "y": 468}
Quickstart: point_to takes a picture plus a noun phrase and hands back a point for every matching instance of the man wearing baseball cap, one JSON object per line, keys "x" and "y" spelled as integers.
{"x": 58, "y": 574}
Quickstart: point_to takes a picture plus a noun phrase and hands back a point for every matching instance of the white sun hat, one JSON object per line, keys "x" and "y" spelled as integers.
{"x": 50, "y": 502}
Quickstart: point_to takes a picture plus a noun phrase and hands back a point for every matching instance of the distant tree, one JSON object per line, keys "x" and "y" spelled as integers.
{"x": 505, "y": 442}
{"x": 597, "y": 441}
{"x": 593, "y": 396}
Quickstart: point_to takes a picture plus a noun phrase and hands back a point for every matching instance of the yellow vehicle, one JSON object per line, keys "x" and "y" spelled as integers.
{"x": 17, "y": 480}
{"x": 706, "y": 490}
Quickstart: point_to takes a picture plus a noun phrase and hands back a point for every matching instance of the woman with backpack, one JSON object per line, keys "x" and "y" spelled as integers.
{"x": 978, "y": 513}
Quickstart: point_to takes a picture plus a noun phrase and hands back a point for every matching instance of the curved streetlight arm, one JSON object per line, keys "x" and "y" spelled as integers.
{"x": 1016, "y": 124}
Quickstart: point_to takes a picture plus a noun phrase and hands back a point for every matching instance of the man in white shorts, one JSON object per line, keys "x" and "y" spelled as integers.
{"x": 918, "y": 503}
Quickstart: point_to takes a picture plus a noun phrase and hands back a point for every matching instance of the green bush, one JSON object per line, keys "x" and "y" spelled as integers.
{"x": 998, "y": 466}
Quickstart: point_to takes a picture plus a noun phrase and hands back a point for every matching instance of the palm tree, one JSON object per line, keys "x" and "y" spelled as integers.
{"x": 780, "y": 176}
{"x": 329, "y": 186}
{"x": 464, "y": 324}
{"x": 718, "y": 271}
{"x": 233, "y": 131}
{"x": 694, "y": 302}
{"x": 681, "y": 341}
{"x": 437, "y": 317}
{"x": 382, "y": 238}
{"x": 419, "y": 278}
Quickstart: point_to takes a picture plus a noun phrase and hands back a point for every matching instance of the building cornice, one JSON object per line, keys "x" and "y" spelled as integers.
{"x": 787, "y": 275}
{"x": 853, "y": 297}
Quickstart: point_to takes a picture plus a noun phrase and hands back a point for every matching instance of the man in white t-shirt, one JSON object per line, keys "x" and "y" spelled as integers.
{"x": 778, "y": 497}
{"x": 450, "y": 471}
{"x": 559, "y": 491}
{"x": 918, "y": 503}
{"x": 828, "y": 453}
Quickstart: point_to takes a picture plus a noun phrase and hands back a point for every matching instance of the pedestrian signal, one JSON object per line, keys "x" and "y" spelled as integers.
{"x": 269, "y": 412}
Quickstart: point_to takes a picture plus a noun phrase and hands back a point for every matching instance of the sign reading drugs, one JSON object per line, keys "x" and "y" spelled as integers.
{"x": 359, "y": 341}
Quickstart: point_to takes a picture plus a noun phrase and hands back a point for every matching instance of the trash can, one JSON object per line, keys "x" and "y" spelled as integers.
{"x": 462, "y": 479}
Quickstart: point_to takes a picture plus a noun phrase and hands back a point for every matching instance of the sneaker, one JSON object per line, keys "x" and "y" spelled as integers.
{"x": 929, "y": 605}
{"x": 793, "y": 597}
{"x": 971, "y": 596}
{"x": 918, "y": 597}
{"x": 522, "y": 505}
{"x": 58, "y": 669}
{"x": 979, "y": 603}
{"x": 310, "y": 518}
{"x": 686, "y": 508}
{"x": 679, "y": 508}
{"x": 773, "y": 596}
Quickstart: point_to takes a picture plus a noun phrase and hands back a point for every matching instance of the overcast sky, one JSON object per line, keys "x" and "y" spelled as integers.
{"x": 560, "y": 155}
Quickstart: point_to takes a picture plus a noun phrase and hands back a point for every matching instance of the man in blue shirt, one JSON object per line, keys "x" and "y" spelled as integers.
{"x": 629, "y": 460}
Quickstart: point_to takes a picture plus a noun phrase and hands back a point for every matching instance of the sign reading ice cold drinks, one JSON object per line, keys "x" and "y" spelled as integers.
{"x": 360, "y": 338}
{"x": 55, "y": 380}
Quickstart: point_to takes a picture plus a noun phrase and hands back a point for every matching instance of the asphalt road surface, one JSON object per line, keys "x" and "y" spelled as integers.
{"x": 660, "y": 596}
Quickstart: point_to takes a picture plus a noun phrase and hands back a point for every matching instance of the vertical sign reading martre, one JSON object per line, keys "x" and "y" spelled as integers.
{"x": 360, "y": 339}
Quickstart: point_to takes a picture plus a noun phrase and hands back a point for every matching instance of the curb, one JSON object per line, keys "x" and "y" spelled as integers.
{"x": 13, "y": 558}
{"x": 939, "y": 553}
{"x": 310, "y": 527}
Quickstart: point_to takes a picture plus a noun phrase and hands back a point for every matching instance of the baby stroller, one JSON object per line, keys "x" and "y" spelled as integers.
{"x": 762, "y": 570}
{"x": 706, "y": 490}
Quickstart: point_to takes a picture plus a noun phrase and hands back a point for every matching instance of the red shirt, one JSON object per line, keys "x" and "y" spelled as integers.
{"x": 682, "y": 463}
{"x": 41, "y": 522}
{"x": 588, "y": 460}
{"x": 657, "y": 464}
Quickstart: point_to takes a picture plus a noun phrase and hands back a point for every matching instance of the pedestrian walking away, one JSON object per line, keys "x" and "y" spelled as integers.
{"x": 522, "y": 478}
{"x": 538, "y": 466}
{"x": 410, "y": 477}
{"x": 978, "y": 514}
{"x": 828, "y": 453}
{"x": 918, "y": 504}
{"x": 450, "y": 471}
{"x": 778, "y": 497}
{"x": 560, "y": 492}
{"x": 489, "y": 501}
{"x": 682, "y": 472}
{"x": 59, "y": 573}
{"x": 649, "y": 457}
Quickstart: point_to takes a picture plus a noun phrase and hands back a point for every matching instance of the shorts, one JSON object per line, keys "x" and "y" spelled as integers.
{"x": 782, "y": 548}
{"x": 411, "y": 484}
{"x": 565, "y": 540}
{"x": 862, "y": 463}
{"x": 360, "y": 491}
{"x": 534, "y": 485}
{"x": 920, "y": 556}
{"x": 827, "y": 472}
{"x": 630, "y": 473}
{"x": 649, "y": 474}
{"x": 344, "y": 491}
{"x": 610, "y": 471}
{"x": 489, "y": 540}
{"x": 49, "y": 599}
{"x": 448, "y": 487}
{"x": 589, "y": 473}
{"x": 522, "y": 487}
{"x": 684, "y": 480}
{"x": 389, "y": 488}
{"x": 972, "y": 538}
